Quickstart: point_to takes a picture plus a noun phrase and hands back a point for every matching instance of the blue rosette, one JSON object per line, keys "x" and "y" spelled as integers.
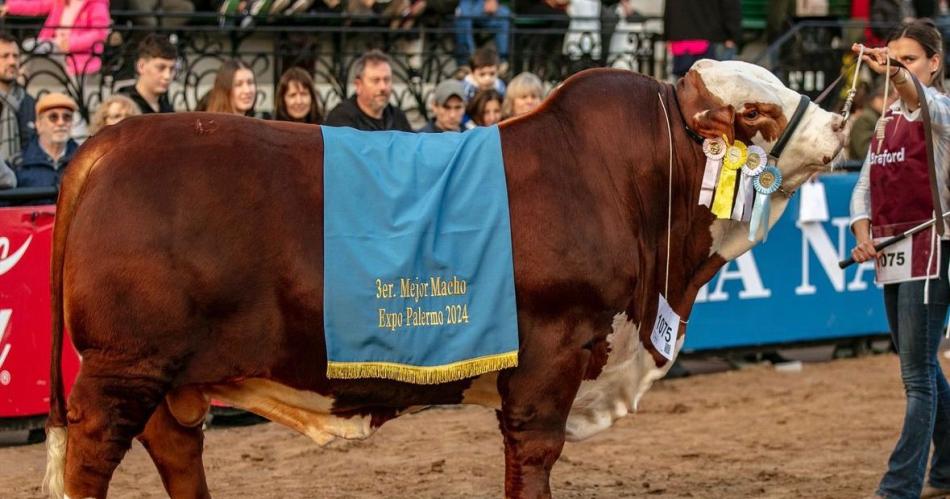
{"x": 765, "y": 183}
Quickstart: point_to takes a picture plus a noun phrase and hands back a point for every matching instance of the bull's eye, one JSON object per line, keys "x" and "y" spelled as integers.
{"x": 752, "y": 114}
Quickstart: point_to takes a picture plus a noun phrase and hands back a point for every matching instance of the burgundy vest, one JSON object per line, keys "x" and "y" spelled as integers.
{"x": 900, "y": 190}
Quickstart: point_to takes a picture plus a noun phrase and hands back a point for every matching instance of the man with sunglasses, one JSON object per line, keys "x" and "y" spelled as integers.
{"x": 42, "y": 162}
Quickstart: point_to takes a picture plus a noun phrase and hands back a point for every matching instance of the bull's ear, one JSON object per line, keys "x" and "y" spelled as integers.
{"x": 715, "y": 123}
{"x": 704, "y": 112}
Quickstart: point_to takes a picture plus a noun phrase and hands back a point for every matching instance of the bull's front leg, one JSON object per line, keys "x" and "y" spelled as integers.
{"x": 536, "y": 400}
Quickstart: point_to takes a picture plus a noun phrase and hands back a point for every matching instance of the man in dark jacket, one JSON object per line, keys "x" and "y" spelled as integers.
{"x": 155, "y": 67}
{"x": 707, "y": 29}
{"x": 369, "y": 109}
{"x": 16, "y": 106}
{"x": 43, "y": 160}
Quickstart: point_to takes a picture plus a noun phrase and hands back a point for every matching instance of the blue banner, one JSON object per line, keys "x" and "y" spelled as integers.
{"x": 790, "y": 289}
{"x": 419, "y": 285}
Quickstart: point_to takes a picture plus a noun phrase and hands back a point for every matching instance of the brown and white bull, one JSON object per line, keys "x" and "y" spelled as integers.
{"x": 188, "y": 264}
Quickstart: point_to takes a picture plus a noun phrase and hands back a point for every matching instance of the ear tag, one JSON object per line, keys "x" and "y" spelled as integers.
{"x": 715, "y": 150}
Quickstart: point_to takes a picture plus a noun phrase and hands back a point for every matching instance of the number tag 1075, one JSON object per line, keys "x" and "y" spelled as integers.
{"x": 665, "y": 329}
{"x": 894, "y": 263}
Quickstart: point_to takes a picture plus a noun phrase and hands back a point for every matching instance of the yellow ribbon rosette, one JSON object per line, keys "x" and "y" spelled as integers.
{"x": 736, "y": 156}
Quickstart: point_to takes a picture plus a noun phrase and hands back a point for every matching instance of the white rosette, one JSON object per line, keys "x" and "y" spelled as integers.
{"x": 715, "y": 150}
{"x": 754, "y": 164}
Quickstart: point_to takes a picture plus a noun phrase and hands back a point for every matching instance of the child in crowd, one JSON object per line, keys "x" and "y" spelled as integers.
{"x": 484, "y": 73}
{"x": 484, "y": 108}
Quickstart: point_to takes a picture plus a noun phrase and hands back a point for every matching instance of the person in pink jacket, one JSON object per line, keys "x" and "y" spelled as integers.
{"x": 76, "y": 28}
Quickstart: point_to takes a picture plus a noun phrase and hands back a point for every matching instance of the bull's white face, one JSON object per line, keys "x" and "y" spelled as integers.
{"x": 763, "y": 106}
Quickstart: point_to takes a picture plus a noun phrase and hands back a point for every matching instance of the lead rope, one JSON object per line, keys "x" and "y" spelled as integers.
{"x": 849, "y": 101}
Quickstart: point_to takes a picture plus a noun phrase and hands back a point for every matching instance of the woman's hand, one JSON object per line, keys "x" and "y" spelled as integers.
{"x": 875, "y": 58}
{"x": 864, "y": 251}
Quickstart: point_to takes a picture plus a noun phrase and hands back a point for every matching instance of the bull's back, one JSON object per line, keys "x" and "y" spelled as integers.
{"x": 201, "y": 233}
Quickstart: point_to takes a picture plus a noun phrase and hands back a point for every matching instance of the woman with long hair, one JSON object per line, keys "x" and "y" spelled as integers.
{"x": 234, "y": 90}
{"x": 296, "y": 99}
{"x": 893, "y": 193}
{"x": 484, "y": 109}
{"x": 524, "y": 94}
{"x": 112, "y": 110}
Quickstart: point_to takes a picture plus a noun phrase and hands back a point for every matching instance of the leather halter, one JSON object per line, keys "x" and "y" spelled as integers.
{"x": 793, "y": 123}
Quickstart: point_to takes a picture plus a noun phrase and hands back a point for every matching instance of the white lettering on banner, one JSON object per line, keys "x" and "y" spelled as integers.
{"x": 5, "y": 315}
{"x": 747, "y": 271}
{"x": 815, "y": 237}
{"x": 7, "y": 261}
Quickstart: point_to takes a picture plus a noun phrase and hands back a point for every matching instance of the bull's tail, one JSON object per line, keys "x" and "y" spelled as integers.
{"x": 71, "y": 187}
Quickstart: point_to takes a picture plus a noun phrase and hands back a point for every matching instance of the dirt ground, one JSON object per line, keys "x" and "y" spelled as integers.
{"x": 824, "y": 432}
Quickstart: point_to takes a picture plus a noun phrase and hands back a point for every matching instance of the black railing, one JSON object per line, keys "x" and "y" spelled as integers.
{"x": 327, "y": 45}
{"x": 811, "y": 55}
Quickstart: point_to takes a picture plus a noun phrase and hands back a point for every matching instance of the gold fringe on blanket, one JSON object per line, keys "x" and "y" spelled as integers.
{"x": 423, "y": 375}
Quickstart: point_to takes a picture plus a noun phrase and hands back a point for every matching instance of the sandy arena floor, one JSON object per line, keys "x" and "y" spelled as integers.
{"x": 824, "y": 432}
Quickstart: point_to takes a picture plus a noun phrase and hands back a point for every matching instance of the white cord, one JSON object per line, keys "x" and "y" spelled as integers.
{"x": 887, "y": 84}
{"x": 669, "y": 200}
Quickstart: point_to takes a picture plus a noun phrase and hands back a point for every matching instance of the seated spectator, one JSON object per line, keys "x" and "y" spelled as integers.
{"x": 485, "y": 67}
{"x": 369, "y": 107}
{"x": 541, "y": 49}
{"x": 111, "y": 111}
{"x": 155, "y": 66}
{"x": 75, "y": 28}
{"x": 17, "y": 108}
{"x": 234, "y": 91}
{"x": 42, "y": 162}
{"x": 162, "y": 6}
{"x": 701, "y": 30}
{"x": 448, "y": 106}
{"x": 484, "y": 109}
{"x": 482, "y": 14}
{"x": 296, "y": 100}
{"x": 524, "y": 94}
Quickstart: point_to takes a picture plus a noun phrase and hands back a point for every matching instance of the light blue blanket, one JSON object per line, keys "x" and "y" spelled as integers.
{"x": 419, "y": 285}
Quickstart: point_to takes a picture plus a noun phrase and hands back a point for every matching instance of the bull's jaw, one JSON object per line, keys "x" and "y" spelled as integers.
{"x": 629, "y": 372}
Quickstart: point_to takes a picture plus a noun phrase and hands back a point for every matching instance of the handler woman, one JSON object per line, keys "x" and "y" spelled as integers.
{"x": 892, "y": 195}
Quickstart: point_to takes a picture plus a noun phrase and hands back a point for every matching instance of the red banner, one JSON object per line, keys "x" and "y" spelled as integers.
{"x": 25, "y": 245}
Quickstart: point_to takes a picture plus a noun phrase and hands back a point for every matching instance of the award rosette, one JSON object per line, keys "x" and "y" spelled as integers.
{"x": 715, "y": 150}
{"x": 754, "y": 165}
{"x": 764, "y": 184}
{"x": 725, "y": 192}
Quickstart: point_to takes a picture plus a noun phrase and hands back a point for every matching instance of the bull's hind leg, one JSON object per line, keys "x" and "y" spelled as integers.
{"x": 104, "y": 414}
{"x": 536, "y": 400}
{"x": 174, "y": 440}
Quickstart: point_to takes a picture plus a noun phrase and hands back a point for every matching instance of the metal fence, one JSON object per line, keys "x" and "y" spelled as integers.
{"x": 327, "y": 45}
{"x": 811, "y": 55}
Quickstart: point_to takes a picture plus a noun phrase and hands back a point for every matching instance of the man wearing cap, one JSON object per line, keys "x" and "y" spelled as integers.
{"x": 42, "y": 162}
{"x": 370, "y": 109}
{"x": 448, "y": 107}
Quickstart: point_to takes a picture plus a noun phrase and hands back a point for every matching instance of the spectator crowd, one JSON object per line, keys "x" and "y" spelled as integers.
{"x": 37, "y": 134}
